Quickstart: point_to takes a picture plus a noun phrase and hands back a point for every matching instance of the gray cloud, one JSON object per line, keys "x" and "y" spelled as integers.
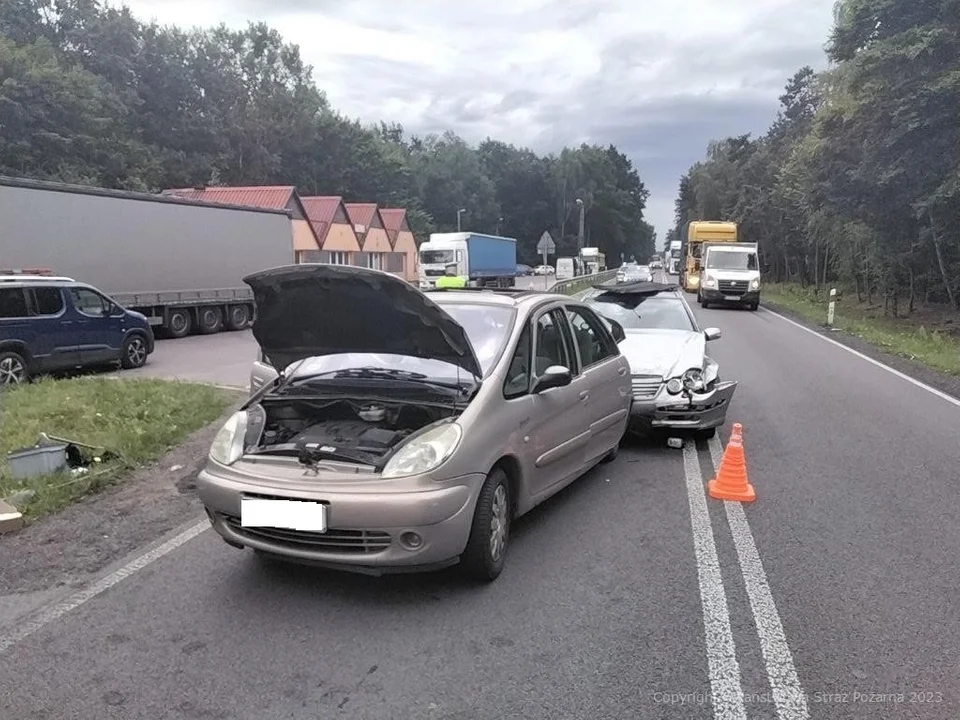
{"x": 659, "y": 81}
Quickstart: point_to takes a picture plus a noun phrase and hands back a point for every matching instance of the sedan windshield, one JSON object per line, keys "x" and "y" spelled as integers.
{"x": 651, "y": 313}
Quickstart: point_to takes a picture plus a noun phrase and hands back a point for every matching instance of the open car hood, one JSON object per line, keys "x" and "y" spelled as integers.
{"x": 314, "y": 310}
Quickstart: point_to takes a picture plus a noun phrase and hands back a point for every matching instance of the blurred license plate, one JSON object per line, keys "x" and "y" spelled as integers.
{"x": 732, "y": 298}
{"x": 300, "y": 515}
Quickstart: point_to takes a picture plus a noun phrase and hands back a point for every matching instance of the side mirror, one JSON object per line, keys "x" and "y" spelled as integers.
{"x": 553, "y": 377}
{"x": 712, "y": 333}
{"x": 616, "y": 329}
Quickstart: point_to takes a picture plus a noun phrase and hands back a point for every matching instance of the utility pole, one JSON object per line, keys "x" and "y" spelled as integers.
{"x": 580, "y": 235}
{"x": 460, "y": 212}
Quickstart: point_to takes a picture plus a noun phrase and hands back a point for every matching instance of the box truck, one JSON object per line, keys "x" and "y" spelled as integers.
{"x": 484, "y": 260}
{"x": 179, "y": 262}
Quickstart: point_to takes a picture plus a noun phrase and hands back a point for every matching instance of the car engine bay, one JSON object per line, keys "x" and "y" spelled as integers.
{"x": 365, "y": 431}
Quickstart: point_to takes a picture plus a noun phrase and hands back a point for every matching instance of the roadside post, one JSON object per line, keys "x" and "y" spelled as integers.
{"x": 546, "y": 247}
{"x": 831, "y": 307}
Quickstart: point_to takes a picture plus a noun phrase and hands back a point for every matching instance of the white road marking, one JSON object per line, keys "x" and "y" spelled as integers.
{"x": 788, "y": 694}
{"x": 722, "y": 665}
{"x": 893, "y": 371}
{"x": 56, "y": 611}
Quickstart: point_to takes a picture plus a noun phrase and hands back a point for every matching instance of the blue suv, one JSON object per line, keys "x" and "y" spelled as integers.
{"x": 55, "y": 324}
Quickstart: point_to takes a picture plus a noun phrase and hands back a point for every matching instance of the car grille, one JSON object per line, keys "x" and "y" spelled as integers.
{"x": 733, "y": 287}
{"x": 645, "y": 386}
{"x": 346, "y": 542}
{"x": 434, "y": 273}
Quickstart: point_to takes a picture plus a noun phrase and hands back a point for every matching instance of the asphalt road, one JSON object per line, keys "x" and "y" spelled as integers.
{"x": 629, "y": 595}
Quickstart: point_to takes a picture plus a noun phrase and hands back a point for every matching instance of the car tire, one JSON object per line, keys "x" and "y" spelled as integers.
{"x": 753, "y": 306}
{"x": 480, "y": 560}
{"x": 134, "y": 354}
{"x": 612, "y": 455}
{"x": 705, "y": 434}
{"x": 14, "y": 369}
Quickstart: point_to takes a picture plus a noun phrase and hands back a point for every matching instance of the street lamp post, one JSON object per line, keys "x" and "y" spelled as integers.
{"x": 580, "y": 236}
{"x": 460, "y": 212}
{"x": 499, "y": 223}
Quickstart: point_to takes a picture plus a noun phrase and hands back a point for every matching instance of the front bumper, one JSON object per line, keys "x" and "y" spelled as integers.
{"x": 366, "y": 519}
{"x": 699, "y": 411}
{"x": 714, "y": 295}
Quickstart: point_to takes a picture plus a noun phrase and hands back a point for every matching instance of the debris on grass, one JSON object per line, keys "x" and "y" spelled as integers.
{"x": 119, "y": 425}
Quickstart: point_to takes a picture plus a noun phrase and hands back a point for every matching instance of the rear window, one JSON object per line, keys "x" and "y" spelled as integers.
{"x": 49, "y": 300}
{"x": 13, "y": 303}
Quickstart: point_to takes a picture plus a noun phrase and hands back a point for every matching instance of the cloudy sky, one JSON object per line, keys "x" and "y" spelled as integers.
{"x": 657, "y": 78}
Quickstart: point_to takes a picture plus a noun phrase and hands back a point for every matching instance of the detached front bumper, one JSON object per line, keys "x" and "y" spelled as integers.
{"x": 743, "y": 298}
{"x": 699, "y": 411}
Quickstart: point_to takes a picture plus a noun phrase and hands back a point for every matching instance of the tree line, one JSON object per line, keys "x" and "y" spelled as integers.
{"x": 92, "y": 95}
{"x": 858, "y": 178}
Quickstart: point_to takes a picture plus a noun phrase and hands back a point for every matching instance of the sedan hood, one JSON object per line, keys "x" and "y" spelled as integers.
{"x": 666, "y": 353}
{"x": 312, "y": 310}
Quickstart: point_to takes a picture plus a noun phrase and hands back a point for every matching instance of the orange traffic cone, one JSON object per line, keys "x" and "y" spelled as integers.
{"x": 731, "y": 481}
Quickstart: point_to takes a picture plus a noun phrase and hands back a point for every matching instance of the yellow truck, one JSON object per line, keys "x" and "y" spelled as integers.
{"x": 698, "y": 233}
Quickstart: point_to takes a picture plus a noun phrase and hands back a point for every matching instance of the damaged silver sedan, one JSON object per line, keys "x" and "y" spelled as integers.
{"x": 676, "y": 384}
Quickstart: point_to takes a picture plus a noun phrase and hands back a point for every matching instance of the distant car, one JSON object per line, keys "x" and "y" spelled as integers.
{"x": 656, "y": 264}
{"x": 524, "y": 270}
{"x": 632, "y": 273}
{"x": 407, "y": 430}
{"x": 675, "y": 383}
{"x": 544, "y": 270}
{"x": 51, "y": 324}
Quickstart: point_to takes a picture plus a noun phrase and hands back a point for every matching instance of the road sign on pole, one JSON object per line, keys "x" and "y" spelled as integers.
{"x": 546, "y": 246}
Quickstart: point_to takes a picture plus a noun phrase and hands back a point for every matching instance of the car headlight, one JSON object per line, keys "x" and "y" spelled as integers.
{"x": 227, "y": 446}
{"x": 709, "y": 282}
{"x": 425, "y": 452}
{"x": 692, "y": 379}
{"x": 755, "y": 284}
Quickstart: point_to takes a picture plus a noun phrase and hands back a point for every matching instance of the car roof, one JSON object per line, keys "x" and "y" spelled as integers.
{"x": 506, "y": 297}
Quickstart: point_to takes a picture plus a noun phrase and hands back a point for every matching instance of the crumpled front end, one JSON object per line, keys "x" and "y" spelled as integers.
{"x": 654, "y": 407}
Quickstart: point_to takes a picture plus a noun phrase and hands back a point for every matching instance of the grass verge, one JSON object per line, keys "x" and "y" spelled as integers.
{"x": 917, "y": 337}
{"x": 138, "y": 420}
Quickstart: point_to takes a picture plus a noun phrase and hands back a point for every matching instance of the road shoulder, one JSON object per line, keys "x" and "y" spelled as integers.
{"x": 67, "y": 549}
{"x": 941, "y": 381}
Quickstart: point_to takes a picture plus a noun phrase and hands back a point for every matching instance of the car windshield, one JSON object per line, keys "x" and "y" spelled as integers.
{"x": 731, "y": 260}
{"x": 650, "y": 313}
{"x": 437, "y": 257}
{"x": 487, "y": 326}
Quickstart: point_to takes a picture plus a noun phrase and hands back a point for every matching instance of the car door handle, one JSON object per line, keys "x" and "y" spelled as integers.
{"x": 622, "y": 371}
{"x": 584, "y": 395}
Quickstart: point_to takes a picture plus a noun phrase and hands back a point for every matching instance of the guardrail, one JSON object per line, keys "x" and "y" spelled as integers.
{"x": 576, "y": 284}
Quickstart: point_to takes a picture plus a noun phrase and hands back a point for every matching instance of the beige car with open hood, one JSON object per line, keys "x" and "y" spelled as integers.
{"x": 406, "y": 430}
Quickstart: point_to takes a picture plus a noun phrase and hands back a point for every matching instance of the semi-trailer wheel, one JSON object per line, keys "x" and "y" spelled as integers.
{"x": 179, "y": 323}
{"x": 237, "y": 317}
{"x": 211, "y": 320}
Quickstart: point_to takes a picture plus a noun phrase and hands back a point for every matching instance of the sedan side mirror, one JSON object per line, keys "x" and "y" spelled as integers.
{"x": 712, "y": 333}
{"x": 616, "y": 329}
{"x": 553, "y": 377}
